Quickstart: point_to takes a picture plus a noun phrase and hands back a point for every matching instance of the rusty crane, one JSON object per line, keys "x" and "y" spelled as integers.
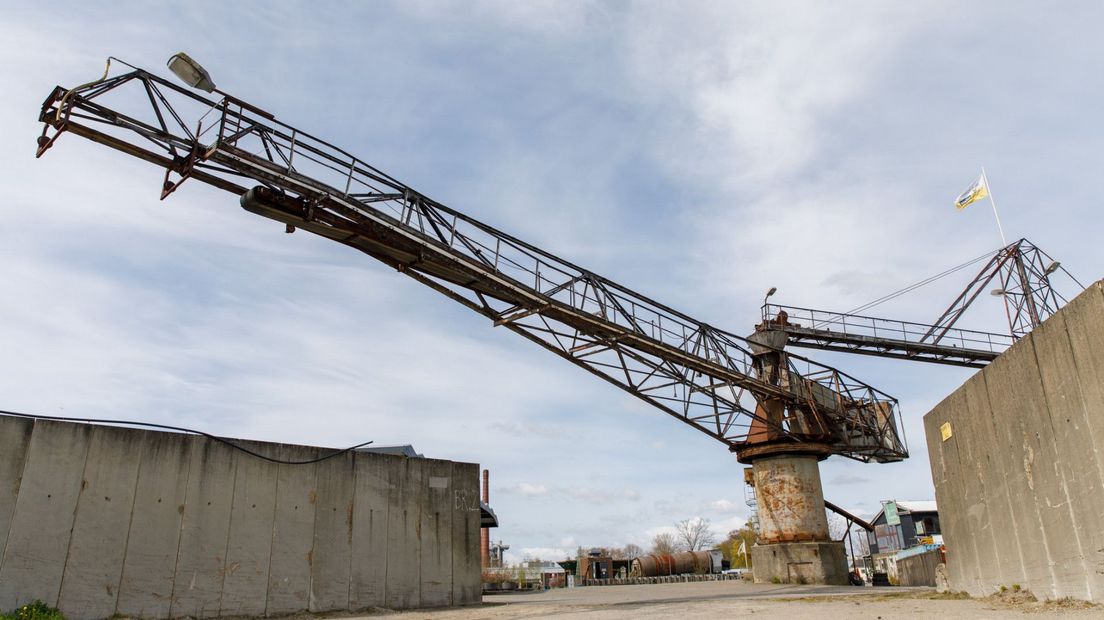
{"x": 779, "y": 412}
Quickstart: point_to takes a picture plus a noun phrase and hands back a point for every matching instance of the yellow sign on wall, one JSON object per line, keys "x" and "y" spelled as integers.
{"x": 945, "y": 431}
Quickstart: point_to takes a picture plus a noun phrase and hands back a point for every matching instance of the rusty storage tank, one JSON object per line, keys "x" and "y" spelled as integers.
{"x": 683, "y": 563}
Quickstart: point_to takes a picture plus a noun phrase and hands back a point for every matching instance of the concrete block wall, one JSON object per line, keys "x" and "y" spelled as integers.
{"x": 100, "y": 520}
{"x": 1020, "y": 481}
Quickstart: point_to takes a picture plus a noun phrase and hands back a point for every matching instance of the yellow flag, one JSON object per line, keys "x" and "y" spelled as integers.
{"x": 976, "y": 192}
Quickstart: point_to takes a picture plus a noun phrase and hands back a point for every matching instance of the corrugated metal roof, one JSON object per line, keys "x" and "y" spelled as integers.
{"x": 925, "y": 505}
{"x": 406, "y": 450}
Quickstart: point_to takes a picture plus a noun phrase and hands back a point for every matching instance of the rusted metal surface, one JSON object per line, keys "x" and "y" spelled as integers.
{"x": 751, "y": 453}
{"x": 683, "y": 563}
{"x": 790, "y": 499}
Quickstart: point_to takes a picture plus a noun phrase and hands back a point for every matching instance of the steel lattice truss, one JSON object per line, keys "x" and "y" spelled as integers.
{"x": 705, "y": 377}
{"x": 1023, "y": 271}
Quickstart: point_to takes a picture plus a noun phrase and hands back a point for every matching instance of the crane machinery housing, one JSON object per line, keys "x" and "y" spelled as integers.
{"x": 779, "y": 412}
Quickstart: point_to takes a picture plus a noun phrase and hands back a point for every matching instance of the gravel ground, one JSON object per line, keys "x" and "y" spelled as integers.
{"x": 725, "y": 598}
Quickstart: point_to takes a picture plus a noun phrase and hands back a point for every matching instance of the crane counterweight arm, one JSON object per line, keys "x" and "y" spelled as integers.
{"x": 705, "y": 377}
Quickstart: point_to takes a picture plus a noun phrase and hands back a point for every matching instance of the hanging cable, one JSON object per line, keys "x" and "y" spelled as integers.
{"x": 222, "y": 440}
{"x": 913, "y": 287}
{"x": 68, "y": 93}
{"x": 896, "y": 294}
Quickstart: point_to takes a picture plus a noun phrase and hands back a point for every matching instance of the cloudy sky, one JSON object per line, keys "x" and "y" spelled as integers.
{"x": 697, "y": 152}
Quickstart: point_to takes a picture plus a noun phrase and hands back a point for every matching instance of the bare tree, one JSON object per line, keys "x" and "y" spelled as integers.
{"x": 861, "y": 539}
{"x": 631, "y": 551}
{"x": 664, "y": 543}
{"x": 837, "y": 530}
{"x": 837, "y": 526}
{"x": 695, "y": 534}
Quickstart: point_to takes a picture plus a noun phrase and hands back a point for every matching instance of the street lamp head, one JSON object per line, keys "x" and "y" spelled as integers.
{"x": 997, "y": 292}
{"x": 190, "y": 72}
{"x": 1052, "y": 267}
{"x": 772, "y": 291}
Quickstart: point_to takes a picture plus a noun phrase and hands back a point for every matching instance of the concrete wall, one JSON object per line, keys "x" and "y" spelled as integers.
{"x": 1020, "y": 482}
{"x": 919, "y": 569}
{"x": 99, "y": 520}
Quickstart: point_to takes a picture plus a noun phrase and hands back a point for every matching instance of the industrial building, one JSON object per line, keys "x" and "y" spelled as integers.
{"x": 915, "y": 522}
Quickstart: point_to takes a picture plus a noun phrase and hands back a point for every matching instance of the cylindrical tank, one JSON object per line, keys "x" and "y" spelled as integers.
{"x": 683, "y": 563}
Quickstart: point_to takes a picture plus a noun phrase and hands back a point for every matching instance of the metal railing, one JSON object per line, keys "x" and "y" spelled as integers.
{"x": 873, "y": 335}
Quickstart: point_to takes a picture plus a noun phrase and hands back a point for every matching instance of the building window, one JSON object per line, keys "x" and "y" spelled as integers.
{"x": 889, "y": 538}
{"x": 927, "y": 526}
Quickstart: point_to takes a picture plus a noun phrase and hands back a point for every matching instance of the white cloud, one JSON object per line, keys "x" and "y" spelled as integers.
{"x": 722, "y": 527}
{"x": 547, "y": 554}
{"x": 752, "y": 81}
{"x": 652, "y": 532}
{"x": 591, "y": 495}
{"x": 531, "y": 489}
{"x": 724, "y": 506}
{"x": 535, "y": 17}
{"x": 849, "y": 479}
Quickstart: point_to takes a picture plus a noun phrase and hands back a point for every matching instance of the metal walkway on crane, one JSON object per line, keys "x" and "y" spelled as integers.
{"x": 850, "y": 333}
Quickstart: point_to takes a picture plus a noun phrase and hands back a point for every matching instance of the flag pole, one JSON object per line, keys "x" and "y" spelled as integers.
{"x": 992, "y": 201}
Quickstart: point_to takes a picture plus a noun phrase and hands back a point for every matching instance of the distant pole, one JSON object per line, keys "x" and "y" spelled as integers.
{"x": 992, "y": 201}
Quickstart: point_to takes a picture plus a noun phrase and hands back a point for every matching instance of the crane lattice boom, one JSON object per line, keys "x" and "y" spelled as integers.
{"x": 706, "y": 377}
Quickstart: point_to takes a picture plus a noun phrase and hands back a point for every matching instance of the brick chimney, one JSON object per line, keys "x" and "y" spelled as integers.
{"x": 485, "y": 533}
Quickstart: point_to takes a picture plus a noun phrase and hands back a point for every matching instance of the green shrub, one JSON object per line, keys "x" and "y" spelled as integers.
{"x": 33, "y": 611}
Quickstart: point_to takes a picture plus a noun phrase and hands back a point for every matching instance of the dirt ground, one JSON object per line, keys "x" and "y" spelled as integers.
{"x": 725, "y": 598}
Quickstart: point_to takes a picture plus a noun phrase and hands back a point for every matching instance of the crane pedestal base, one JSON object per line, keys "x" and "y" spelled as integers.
{"x": 795, "y": 546}
{"x": 800, "y": 562}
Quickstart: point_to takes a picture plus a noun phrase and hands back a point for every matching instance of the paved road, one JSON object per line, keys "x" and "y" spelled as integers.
{"x": 721, "y": 599}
